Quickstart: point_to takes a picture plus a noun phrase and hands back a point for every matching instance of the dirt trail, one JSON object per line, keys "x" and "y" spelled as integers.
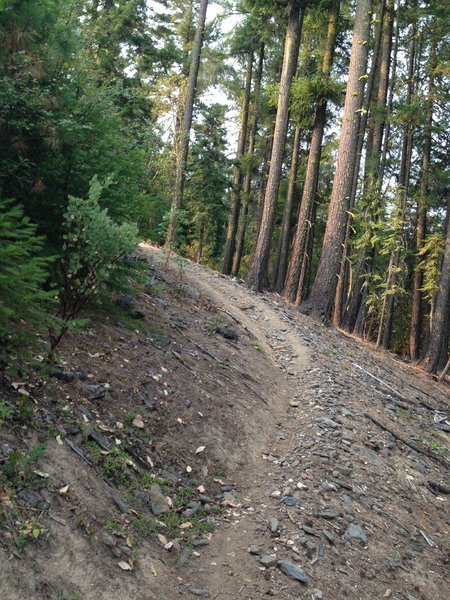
{"x": 361, "y": 513}
{"x": 320, "y": 464}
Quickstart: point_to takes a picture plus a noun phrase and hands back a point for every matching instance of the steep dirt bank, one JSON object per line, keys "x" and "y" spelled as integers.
{"x": 296, "y": 443}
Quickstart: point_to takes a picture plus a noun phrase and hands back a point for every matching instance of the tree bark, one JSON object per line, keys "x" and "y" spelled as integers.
{"x": 242, "y": 229}
{"x": 436, "y": 354}
{"x": 416, "y": 310}
{"x": 257, "y": 277}
{"x": 321, "y": 301}
{"x": 186, "y": 126}
{"x": 237, "y": 173}
{"x": 305, "y": 222}
{"x": 281, "y": 258}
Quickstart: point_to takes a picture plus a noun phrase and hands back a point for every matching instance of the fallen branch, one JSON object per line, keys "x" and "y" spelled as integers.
{"x": 244, "y": 327}
{"x": 386, "y": 385}
{"x": 198, "y": 345}
{"x": 444, "y": 372}
{"x": 407, "y": 443}
{"x": 77, "y": 450}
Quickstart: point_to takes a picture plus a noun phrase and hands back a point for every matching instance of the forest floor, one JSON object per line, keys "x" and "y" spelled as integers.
{"x": 298, "y": 462}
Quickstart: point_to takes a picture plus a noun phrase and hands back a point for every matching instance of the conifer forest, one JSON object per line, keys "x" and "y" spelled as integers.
{"x": 302, "y": 146}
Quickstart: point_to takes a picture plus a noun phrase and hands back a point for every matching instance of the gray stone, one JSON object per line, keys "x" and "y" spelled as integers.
{"x": 7, "y": 449}
{"x": 201, "y": 542}
{"x": 329, "y": 536}
{"x": 310, "y": 530}
{"x": 85, "y": 412}
{"x": 268, "y": 560}
{"x": 100, "y": 439}
{"x": 108, "y": 539}
{"x": 158, "y": 502}
{"x": 256, "y": 549}
{"x": 293, "y": 571}
{"x": 274, "y": 525}
{"x": 33, "y": 499}
{"x": 356, "y": 532}
{"x": 96, "y": 391}
{"x": 120, "y": 503}
{"x": 290, "y": 501}
{"x": 184, "y": 557}
{"x": 136, "y": 313}
{"x": 200, "y": 592}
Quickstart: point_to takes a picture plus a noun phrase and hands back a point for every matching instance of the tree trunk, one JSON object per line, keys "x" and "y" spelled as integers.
{"x": 237, "y": 173}
{"x": 281, "y": 259}
{"x": 186, "y": 127}
{"x": 201, "y": 235}
{"x": 305, "y": 219}
{"x": 242, "y": 229}
{"x": 416, "y": 311}
{"x": 373, "y": 178}
{"x": 321, "y": 301}
{"x": 257, "y": 278}
{"x": 436, "y": 354}
{"x": 387, "y": 311}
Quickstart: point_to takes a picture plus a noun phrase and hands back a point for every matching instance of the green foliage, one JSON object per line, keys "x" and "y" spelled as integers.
{"x": 430, "y": 255}
{"x": 22, "y": 273}
{"x": 18, "y": 468}
{"x": 94, "y": 246}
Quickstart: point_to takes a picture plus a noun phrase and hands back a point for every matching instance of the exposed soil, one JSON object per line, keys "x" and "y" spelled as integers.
{"x": 294, "y": 442}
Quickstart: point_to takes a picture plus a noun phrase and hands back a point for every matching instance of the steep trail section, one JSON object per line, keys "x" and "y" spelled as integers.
{"x": 350, "y": 485}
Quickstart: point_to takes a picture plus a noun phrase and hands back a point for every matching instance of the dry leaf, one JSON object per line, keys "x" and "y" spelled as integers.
{"x": 24, "y": 392}
{"x": 64, "y": 489}
{"x": 168, "y": 546}
{"x": 219, "y": 481}
{"x": 42, "y": 474}
{"x": 188, "y": 469}
{"x": 185, "y": 525}
{"x": 128, "y": 541}
{"x": 59, "y": 440}
{"x": 162, "y": 539}
{"x": 201, "y": 489}
{"x": 153, "y": 570}
{"x": 124, "y": 565}
{"x": 138, "y": 422}
{"x": 200, "y": 449}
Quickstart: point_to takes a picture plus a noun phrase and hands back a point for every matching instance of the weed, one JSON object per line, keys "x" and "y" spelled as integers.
{"x": 18, "y": 467}
{"x": 5, "y": 412}
{"x": 258, "y": 346}
{"x": 116, "y": 467}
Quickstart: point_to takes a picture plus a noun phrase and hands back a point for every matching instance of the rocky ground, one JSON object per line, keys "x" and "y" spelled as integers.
{"x": 268, "y": 457}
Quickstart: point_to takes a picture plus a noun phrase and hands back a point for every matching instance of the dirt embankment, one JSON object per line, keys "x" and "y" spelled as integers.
{"x": 298, "y": 463}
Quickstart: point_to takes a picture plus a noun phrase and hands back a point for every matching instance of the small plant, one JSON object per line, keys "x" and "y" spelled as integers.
{"x": 29, "y": 530}
{"x": 116, "y": 466}
{"x": 258, "y": 347}
{"x": 5, "y": 412}
{"x": 18, "y": 467}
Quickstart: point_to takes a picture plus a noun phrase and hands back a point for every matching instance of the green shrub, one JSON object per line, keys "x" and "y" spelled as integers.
{"x": 22, "y": 271}
{"x": 93, "y": 250}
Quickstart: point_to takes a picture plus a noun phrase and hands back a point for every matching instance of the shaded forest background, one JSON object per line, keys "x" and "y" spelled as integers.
{"x": 336, "y": 195}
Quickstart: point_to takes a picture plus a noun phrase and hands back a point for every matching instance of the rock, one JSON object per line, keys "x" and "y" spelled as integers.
{"x": 85, "y": 412}
{"x": 136, "y": 313}
{"x": 68, "y": 376}
{"x": 96, "y": 391}
{"x": 317, "y": 594}
{"x": 268, "y": 560}
{"x": 274, "y": 525}
{"x": 126, "y": 301}
{"x": 356, "y": 532}
{"x": 200, "y": 592}
{"x": 229, "y": 497}
{"x": 310, "y": 530}
{"x": 100, "y": 439}
{"x": 121, "y": 504}
{"x": 184, "y": 557}
{"x": 108, "y": 540}
{"x": 7, "y": 449}
{"x": 290, "y": 501}
{"x": 33, "y": 499}
{"x": 144, "y": 496}
{"x": 158, "y": 502}
{"x": 227, "y": 333}
{"x": 292, "y": 571}
{"x": 256, "y": 549}
{"x": 201, "y": 542}
{"x": 329, "y": 536}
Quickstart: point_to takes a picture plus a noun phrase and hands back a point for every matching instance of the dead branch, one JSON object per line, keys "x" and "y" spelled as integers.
{"x": 407, "y": 443}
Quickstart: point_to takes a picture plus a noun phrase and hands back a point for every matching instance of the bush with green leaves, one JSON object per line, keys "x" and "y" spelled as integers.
{"x": 23, "y": 271}
{"x": 93, "y": 250}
